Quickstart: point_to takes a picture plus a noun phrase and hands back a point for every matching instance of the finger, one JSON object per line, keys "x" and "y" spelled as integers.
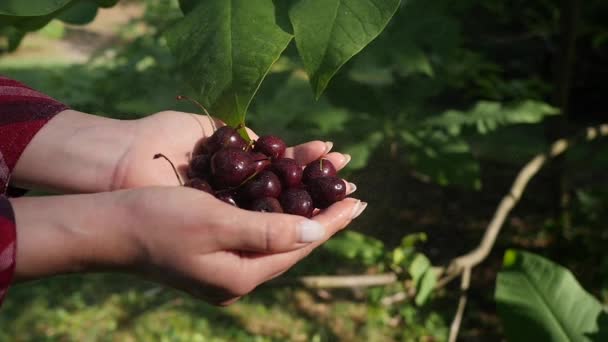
{"x": 251, "y": 134}
{"x": 334, "y": 218}
{"x": 339, "y": 160}
{"x": 308, "y": 152}
{"x": 267, "y": 232}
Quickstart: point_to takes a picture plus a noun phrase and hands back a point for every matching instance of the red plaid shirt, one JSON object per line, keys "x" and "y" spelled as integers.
{"x": 23, "y": 112}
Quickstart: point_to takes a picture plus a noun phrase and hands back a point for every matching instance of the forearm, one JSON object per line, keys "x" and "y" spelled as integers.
{"x": 75, "y": 233}
{"x": 74, "y": 152}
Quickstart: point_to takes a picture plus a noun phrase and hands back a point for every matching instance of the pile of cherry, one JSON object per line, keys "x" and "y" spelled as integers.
{"x": 256, "y": 176}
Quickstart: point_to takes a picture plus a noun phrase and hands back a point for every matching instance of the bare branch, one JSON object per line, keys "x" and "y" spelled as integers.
{"x": 477, "y": 255}
{"x": 462, "y": 302}
{"x": 346, "y": 281}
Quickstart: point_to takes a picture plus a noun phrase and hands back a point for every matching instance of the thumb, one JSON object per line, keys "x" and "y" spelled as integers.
{"x": 268, "y": 232}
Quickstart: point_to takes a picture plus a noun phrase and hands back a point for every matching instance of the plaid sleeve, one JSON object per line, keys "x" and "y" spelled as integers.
{"x": 23, "y": 112}
{"x": 7, "y": 245}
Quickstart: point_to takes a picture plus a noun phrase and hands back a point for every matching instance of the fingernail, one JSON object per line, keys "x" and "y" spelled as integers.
{"x": 351, "y": 188}
{"x": 311, "y": 231}
{"x": 359, "y": 209}
{"x": 347, "y": 158}
{"x": 328, "y": 146}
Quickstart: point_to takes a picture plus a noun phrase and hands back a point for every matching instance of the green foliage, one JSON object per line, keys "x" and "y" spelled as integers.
{"x": 357, "y": 248}
{"x": 539, "y": 300}
{"x": 329, "y": 33}
{"x": 226, "y": 48}
{"x": 487, "y": 116}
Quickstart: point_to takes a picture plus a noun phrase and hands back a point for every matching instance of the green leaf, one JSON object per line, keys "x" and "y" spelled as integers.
{"x": 80, "y": 13}
{"x": 425, "y": 287}
{"x": 423, "y": 277}
{"x": 487, "y": 116}
{"x": 30, "y": 8}
{"x": 539, "y": 300}
{"x": 329, "y": 32}
{"x": 418, "y": 267}
{"x": 226, "y": 48}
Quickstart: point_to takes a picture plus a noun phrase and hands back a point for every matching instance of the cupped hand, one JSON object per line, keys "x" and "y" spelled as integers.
{"x": 175, "y": 134}
{"x": 217, "y": 252}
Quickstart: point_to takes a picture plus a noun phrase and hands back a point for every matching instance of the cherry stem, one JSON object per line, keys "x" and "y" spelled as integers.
{"x": 160, "y": 155}
{"x": 182, "y": 97}
{"x": 242, "y": 183}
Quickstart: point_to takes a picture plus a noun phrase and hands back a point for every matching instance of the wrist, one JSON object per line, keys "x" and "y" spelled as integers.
{"x": 74, "y": 152}
{"x": 77, "y": 233}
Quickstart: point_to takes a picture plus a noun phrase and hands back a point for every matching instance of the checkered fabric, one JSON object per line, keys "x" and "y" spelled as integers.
{"x": 23, "y": 112}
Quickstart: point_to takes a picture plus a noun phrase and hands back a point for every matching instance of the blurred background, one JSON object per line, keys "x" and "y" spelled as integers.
{"x": 439, "y": 113}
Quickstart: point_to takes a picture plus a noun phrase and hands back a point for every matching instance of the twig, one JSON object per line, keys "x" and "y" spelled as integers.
{"x": 462, "y": 302}
{"x": 477, "y": 255}
{"x": 348, "y": 281}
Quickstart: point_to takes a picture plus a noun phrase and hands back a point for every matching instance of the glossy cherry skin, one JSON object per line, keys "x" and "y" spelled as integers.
{"x": 318, "y": 168}
{"x": 289, "y": 172}
{"x": 265, "y": 184}
{"x": 262, "y": 162}
{"x": 270, "y": 145}
{"x": 224, "y": 137}
{"x": 199, "y": 166}
{"x": 326, "y": 191}
{"x": 267, "y": 205}
{"x": 230, "y": 167}
{"x": 228, "y": 197}
{"x": 297, "y": 202}
{"x": 199, "y": 184}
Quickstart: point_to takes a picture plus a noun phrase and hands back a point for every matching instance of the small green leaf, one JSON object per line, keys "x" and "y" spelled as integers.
{"x": 226, "y": 48}
{"x": 539, "y": 300}
{"x": 329, "y": 32}
{"x": 425, "y": 287}
{"x": 419, "y": 266}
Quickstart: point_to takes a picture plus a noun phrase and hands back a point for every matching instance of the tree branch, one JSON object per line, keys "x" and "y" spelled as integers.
{"x": 477, "y": 255}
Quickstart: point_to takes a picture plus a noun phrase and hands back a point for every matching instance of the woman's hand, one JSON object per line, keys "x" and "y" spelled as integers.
{"x": 175, "y": 235}
{"x": 81, "y": 153}
{"x": 175, "y": 134}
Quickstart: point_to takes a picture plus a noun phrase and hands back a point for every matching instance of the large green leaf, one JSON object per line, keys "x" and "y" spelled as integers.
{"x": 30, "y": 8}
{"x": 226, "y": 48}
{"x": 329, "y": 32}
{"x": 539, "y": 300}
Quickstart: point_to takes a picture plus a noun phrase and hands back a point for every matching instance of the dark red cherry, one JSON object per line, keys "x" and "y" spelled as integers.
{"x": 270, "y": 145}
{"x": 318, "y": 168}
{"x": 230, "y": 167}
{"x": 296, "y": 202}
{"x": 267, "y": 205}
{"x": 199, "y": 166}
{"x": 265, "y": 184}
{"x": 289, "y": 172}
{"x": 228, "y": 197}
{"x": 199, "y": 184}
{"x": 262, "y": 162}
{"x": 224, "y": 137}
{"x": 326, "y": 191}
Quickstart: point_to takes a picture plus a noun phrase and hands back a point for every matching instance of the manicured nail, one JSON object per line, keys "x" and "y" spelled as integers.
{"x": 359, "y": 209}
{"x": 351, "y": 188}
{"x": 328, "y": 146}
{"x": 347, "y": 158}
{"x": 311, "y": 231}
